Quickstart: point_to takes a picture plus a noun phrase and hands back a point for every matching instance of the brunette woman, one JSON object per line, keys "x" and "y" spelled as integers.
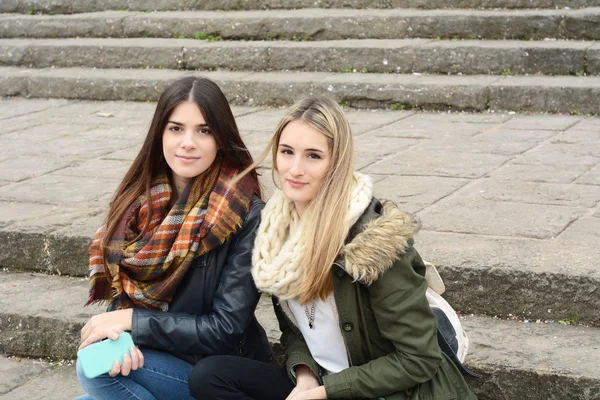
{"x": 174, "y": 256}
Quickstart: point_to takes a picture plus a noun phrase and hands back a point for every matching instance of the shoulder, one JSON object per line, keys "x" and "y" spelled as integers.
{"x": 382, "y": 238}
{"x": 256, "y": 207}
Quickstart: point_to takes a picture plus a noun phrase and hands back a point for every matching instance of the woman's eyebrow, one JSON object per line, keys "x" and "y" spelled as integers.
{"x": 290, "y": 147}
{"x": 180, "y": 124}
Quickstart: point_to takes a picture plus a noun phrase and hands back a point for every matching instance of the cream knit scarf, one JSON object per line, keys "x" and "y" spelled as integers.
{"x": 278, "y": 250}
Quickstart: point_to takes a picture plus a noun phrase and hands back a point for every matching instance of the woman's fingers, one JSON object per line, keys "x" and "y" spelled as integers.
{"x": 116, "y": 369}
{"x": 141, "y": 358}
{"x": 85, "y": 331}
{"x": 126, "y": 368}
{"x": 134, "y": 358}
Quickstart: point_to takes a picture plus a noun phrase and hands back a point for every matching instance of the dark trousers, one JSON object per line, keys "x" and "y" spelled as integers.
{"x": 238, "y": 378}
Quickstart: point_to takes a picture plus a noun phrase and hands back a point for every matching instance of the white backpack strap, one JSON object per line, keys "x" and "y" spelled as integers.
{"x": 433, "y": 278}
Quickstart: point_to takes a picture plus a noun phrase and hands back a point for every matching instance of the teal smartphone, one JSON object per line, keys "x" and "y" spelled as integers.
{"x": 99, "y": 358}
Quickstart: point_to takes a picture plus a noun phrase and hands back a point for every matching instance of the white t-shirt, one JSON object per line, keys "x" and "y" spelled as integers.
{"x": 325, "y": 340}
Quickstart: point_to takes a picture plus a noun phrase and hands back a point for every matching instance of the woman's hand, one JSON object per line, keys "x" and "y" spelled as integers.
{"x": 306, "y": 381}
{"x": 108, "y": 325}
{"x": 310, "y": 394}
{"x": 129, "y": 363}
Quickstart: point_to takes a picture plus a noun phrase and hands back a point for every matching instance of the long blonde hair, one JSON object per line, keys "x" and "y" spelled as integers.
{"x": 324, "y": 222}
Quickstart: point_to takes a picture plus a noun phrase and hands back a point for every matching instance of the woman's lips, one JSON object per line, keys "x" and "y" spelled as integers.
{"x": 296, "y": 184}
{"x": 187, "y": 160}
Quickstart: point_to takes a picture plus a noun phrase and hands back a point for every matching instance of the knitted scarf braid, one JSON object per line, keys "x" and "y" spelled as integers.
{"x": 278, "y": 248}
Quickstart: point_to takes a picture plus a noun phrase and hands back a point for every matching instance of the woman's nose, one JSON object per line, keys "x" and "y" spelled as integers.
{"x": 187, "y": 141}
{"x": 297, "y": 167}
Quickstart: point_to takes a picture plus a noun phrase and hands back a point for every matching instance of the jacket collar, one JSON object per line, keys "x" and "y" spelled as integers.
{"x": 380, "y": 235}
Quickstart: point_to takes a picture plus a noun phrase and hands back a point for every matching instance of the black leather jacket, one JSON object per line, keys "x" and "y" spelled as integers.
{"x": 213, "y": 309}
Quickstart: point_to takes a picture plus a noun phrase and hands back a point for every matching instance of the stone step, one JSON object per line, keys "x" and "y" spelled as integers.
{"x": 313, "y": 24}
{"x": 564, "y": 94}
{"x": 466, "y": 57}
{"x": 548, "y": 361}
{"x": 82, "y": 6}
{"x": 25, "y": 378}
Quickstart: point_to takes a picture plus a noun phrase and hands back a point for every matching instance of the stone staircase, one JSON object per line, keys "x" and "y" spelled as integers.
{"x": 527, "y": 255}
{"x": 384, "y": 55}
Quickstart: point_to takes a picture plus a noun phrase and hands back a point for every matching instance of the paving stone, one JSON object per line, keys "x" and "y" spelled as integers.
{"x": 543, "y": 122}
{"x": 540, "y": 172}
{"x": 583, "y": 230}
{"x": 57, "y": 383}
{"x": 485, "y": 117}
{"x": 44, "y": 131}
{"x": 491, "y": 141}
{"x": 440, "y": 163}
{"x": 16, "y": 371}
{"x": 509, "y": 275}
{"x": 533, "y": 193}
{"x": 76, "y": 145}
{"x": 363, "y": 121}
{"x": 413, "y": 193}
{"x": 101, "y": 168}
{"x": 13, "y": 124}
{"x": 587, "y": 124}
{"x": 18, "y": 168}
{"x": 59, "y": 189}
{"x": 14, "y": 107}
{"x": 266, "y": 121}
{"x": 420, "y": 126}
{"x": 582, "y": 142}
{"x": 81, "y": 229}
{"x": 559, "y": 154}
{"x": 241, "y": 111}
{"x": 363, "y": 160}
{"x": 462, "y": 213}
{"x": 128, "y": 154}
{"x": 592, "y": 177}
{"x": 597, "y": 213}
{"x": 382, "y": 146}
{"x": 86, "y": 115}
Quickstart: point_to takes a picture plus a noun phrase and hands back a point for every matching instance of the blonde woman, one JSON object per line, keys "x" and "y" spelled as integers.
{"x": 347, "y": 284}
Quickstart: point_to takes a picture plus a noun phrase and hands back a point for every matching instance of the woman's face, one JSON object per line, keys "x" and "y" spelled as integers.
{"x": 189, "y": 146}
{"x": 303, "y": 158}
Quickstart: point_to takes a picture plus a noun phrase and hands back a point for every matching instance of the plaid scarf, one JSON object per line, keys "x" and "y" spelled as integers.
{"x": 146, "y": 273}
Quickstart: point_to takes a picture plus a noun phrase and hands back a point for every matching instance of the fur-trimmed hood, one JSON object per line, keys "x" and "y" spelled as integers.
{"x": 376, "y": 240}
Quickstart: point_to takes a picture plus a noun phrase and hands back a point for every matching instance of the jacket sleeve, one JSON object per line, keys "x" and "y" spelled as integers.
{"x": 404, "y": 318}
{"x": 234, "y": 303}
{"x": 296, "y": 350}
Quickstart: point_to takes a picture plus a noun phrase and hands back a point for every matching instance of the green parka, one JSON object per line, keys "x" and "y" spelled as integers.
{"x": 388, "y": 327}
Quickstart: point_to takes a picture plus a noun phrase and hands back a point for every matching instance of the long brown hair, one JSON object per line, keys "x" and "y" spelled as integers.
{"x": 150, "y": 162}
{"x": 324, "y": 222}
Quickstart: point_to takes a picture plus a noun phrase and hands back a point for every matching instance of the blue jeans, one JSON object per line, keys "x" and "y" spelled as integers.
{"x": 163, "y": 376}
